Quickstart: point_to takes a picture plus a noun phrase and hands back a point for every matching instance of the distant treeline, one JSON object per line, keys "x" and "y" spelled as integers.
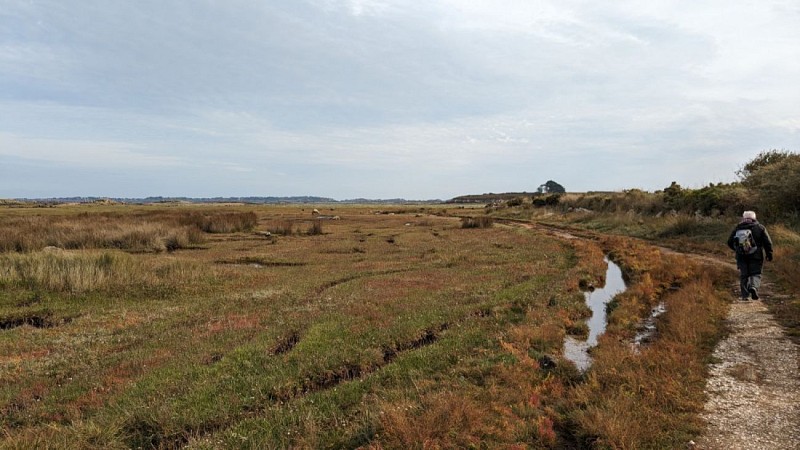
{"x": 489, "y": 198}
{"x": 248, "y": 200}
{"x": 769, "y": 185}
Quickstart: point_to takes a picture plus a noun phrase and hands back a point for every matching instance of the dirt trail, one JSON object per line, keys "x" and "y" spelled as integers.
{"x": 753, "y": 388}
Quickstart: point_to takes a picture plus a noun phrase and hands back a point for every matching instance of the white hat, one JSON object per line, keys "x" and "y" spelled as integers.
{"x": 749, "y": 215}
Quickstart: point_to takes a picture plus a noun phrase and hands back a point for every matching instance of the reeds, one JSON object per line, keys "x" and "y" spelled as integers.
{"x": 152, "y": 232}
{"x": 282, "y": 228}
{"x": 72, "y": 273}
{"x": 227, "y": 222}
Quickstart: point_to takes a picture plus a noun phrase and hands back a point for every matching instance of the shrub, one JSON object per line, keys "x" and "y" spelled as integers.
{"x": 546, "y": 200}
{"x": 774, "y": 178}
{"x": 516, "y": 201}
{"x": 681, "y": 226}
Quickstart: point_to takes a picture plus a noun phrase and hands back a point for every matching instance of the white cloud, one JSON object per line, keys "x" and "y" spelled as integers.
{"x": 441, "y": 89}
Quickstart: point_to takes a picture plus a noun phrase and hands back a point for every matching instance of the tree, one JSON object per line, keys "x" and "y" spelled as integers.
{"x": 551, "y": 187}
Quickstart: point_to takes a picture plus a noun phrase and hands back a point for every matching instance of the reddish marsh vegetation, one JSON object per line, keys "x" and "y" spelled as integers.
{"x": 383, "y": 331}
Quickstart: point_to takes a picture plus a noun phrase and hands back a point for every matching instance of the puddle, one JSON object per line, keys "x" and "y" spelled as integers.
{"x": 577, "y": 350}
{"x": 648, "y": 328}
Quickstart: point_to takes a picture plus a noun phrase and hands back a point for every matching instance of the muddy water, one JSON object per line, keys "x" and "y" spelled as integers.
{"x": 648, "y": 328}
{"x": 577, "y": 350}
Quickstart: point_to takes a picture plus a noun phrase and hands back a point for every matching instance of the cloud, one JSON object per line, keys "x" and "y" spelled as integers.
{"x": 463, "y": 94}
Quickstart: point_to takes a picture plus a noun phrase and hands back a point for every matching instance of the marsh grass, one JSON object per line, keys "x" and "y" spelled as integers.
{"x": 96, "y": 231}
{"x": 222, "y": 222}
{"x": 282, "y": 228}
{"x": 441, "y": 339}
{"x": 79, "y": 273}
{"x": 315, "y": 228}
{"x": 652, "y": 399}
{"x": 477, "y": 222}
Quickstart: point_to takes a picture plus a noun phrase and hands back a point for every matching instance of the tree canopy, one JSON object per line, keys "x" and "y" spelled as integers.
{"x": 552, "y": 187}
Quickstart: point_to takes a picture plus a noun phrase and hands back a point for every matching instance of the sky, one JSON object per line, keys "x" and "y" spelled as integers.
{"x": 389, "y": 98}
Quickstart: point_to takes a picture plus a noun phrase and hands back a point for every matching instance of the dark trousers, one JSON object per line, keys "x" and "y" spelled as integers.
{"x": 749, "y": 274}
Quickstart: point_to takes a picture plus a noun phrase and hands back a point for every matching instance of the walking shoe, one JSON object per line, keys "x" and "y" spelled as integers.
{"x": 754, "y": 293}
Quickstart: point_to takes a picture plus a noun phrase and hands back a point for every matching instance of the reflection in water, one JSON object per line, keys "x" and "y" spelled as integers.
{"x": 577, "y": 350}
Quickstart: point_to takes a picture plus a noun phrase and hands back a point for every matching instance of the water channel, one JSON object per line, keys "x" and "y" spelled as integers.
{"x": 577, "y": 350}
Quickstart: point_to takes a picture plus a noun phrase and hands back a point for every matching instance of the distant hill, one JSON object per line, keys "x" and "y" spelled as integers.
{"x": 248, "y": 200}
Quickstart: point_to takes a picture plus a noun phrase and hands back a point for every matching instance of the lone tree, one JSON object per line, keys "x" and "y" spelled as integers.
{"x": 551, "y": 187}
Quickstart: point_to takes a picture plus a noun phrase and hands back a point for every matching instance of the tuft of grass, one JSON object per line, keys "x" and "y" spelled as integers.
{"x": 315, "y": 229}
{"x": 282, "y": 228}
{"x": 440, "y": 420}
{"x": 477, "y": 222}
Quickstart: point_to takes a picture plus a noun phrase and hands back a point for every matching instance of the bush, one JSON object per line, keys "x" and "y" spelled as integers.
{"x": 774, "y": 178}
{"x": 546, "y": 200}
{"x": 516, "y": 201}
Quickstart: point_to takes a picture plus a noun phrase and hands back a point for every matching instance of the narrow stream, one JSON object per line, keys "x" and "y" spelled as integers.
{"x": 577, "y": 350}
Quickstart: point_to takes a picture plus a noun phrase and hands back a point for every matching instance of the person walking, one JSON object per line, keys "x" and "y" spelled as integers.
{"x": 751, "y": 243}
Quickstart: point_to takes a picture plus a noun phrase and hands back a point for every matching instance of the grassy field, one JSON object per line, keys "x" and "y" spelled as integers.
{"x": 172, "y": 327}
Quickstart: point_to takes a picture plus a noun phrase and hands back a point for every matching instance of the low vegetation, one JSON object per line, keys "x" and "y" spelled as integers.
{"x": 385, "y": 331}
{"x": 696, "y": 220}
{"x": 389, "y": 329}
{"x": 477, "y": 222}
{"x": 80, "y": 273}
{"x": 136, "y": 231}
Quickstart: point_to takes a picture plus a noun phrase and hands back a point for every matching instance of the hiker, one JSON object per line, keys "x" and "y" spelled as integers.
{"x": 750, "y": 241}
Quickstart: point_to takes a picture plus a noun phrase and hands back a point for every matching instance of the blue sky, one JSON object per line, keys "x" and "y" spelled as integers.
{"x": 389, "y": 98}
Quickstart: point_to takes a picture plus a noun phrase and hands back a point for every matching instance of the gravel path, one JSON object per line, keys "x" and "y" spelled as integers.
{"x": 754, "y": 388}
